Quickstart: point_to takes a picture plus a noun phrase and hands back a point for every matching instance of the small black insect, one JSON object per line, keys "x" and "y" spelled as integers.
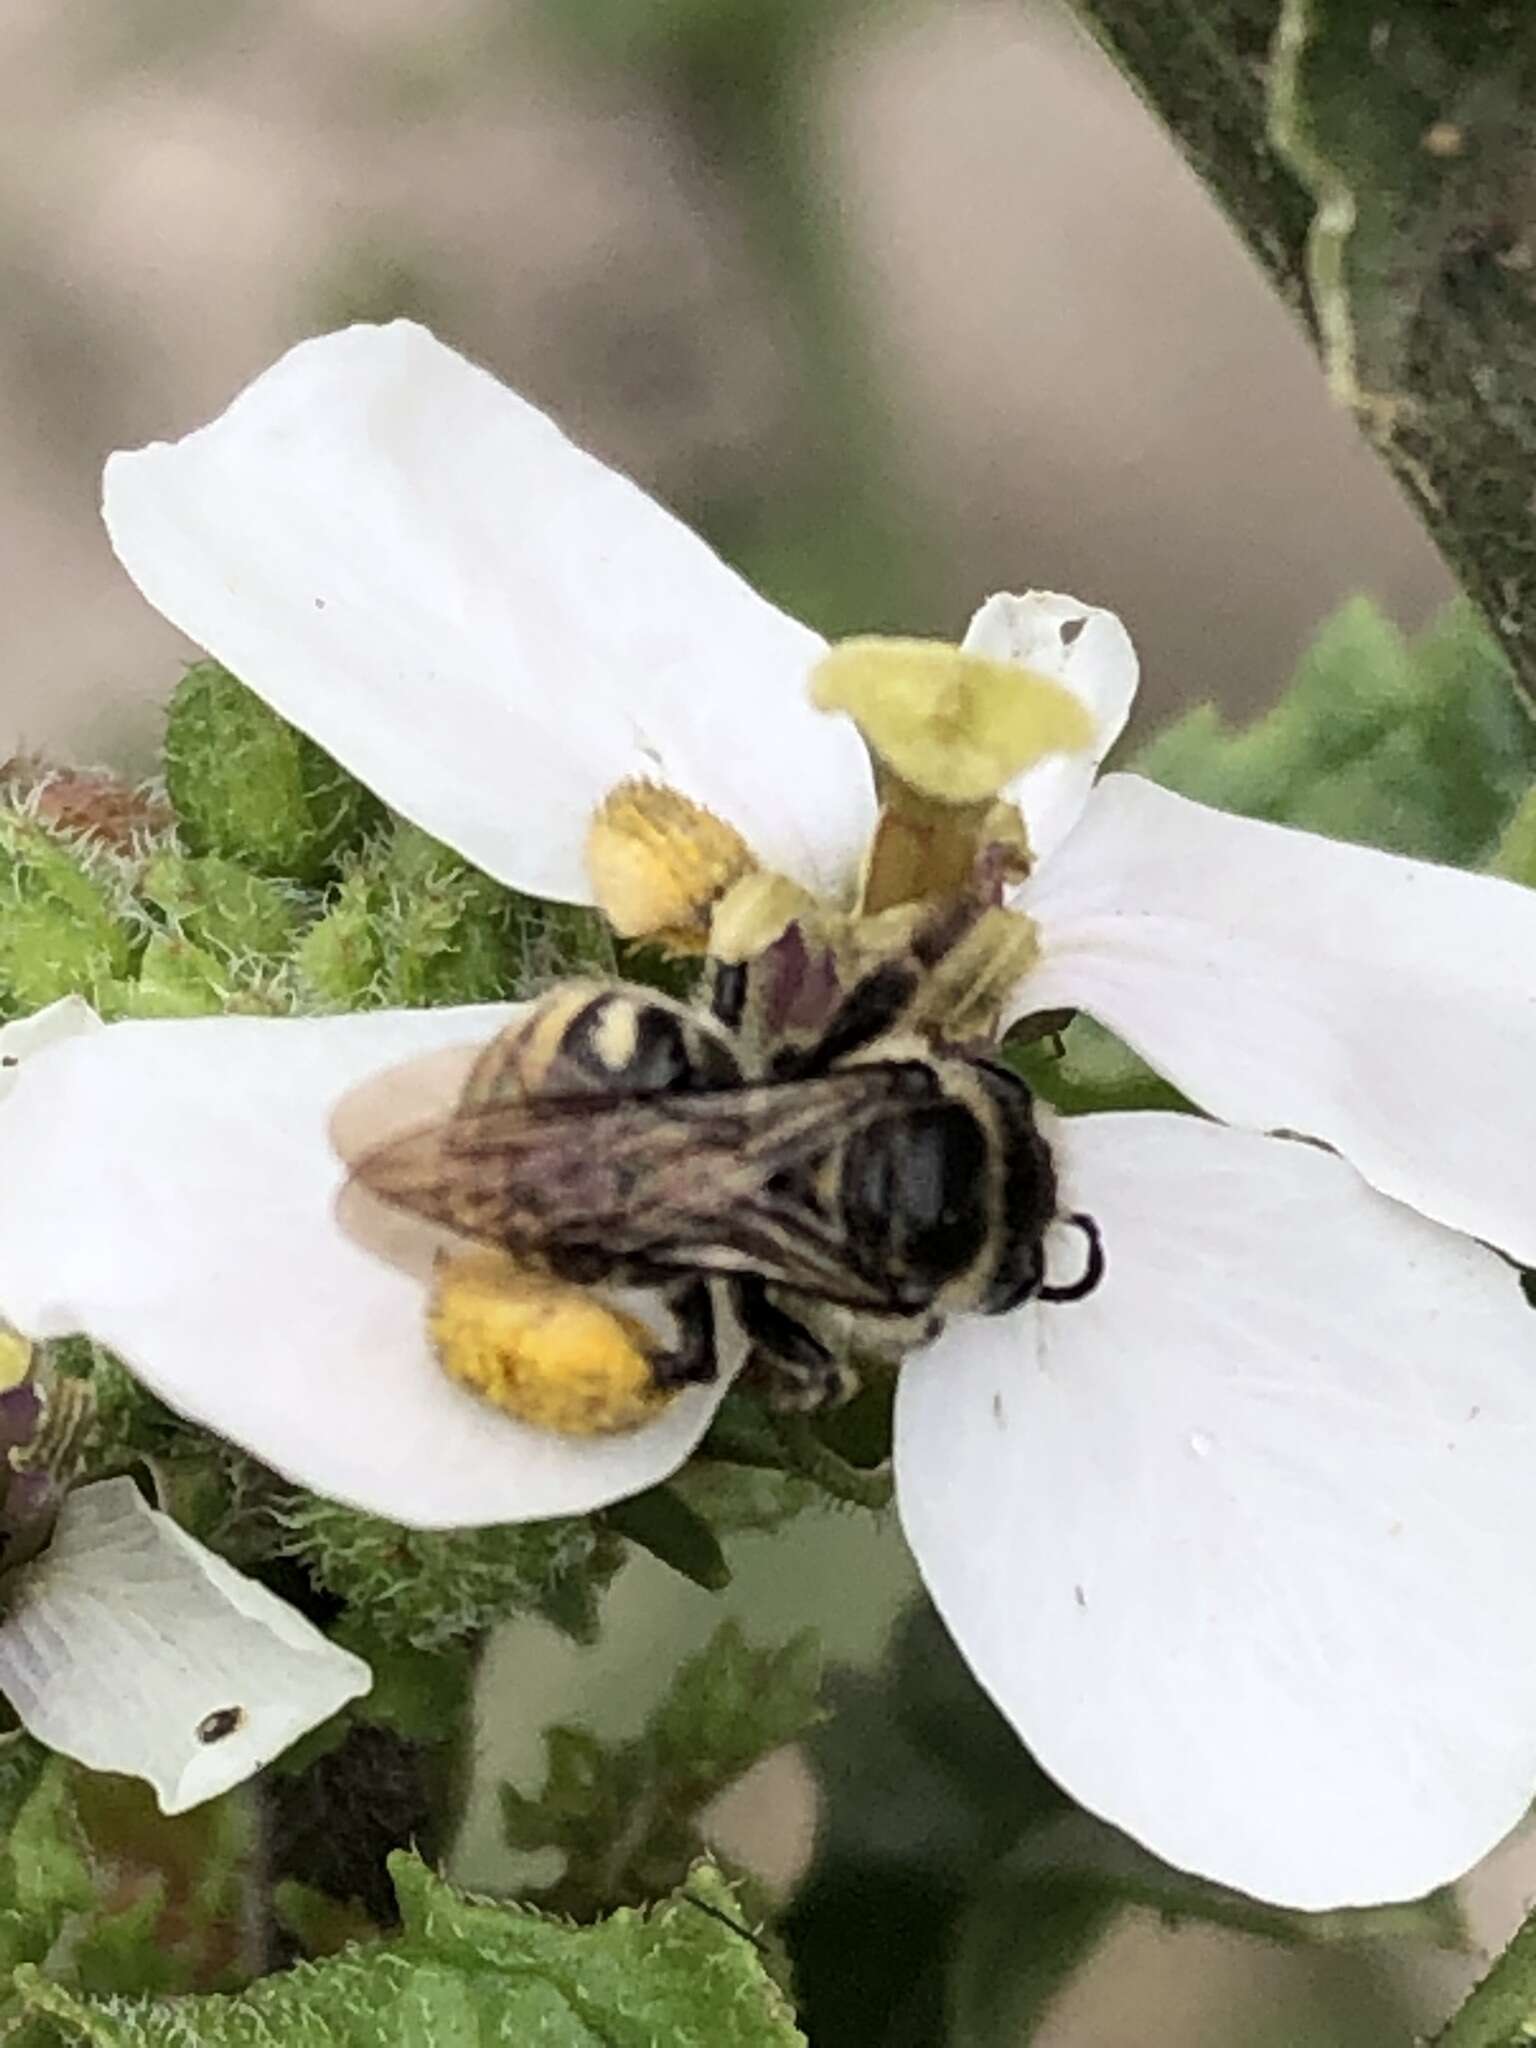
{"x": 220, "y": 1724}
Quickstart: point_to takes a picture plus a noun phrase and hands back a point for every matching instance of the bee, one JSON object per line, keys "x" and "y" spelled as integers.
{"x": 615, "y": 1136}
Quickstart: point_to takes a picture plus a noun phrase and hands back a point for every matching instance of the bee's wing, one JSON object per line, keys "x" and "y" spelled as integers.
{"x": 721, "y": 1180}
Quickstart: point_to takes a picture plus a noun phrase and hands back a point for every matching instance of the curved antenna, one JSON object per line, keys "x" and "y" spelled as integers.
{"x": 1091, "y": 1274}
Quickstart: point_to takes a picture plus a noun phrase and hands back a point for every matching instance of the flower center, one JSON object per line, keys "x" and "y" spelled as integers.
{"x": 948, "y": 733}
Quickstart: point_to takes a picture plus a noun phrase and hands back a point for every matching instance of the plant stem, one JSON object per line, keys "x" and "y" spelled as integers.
{"x": 1456, "y": 420}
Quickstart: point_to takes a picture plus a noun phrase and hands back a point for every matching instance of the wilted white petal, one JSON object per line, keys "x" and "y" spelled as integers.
{"x": 1240, "y": 1543}
{"x": 131, "y": 1648}
{"x": 67, "y": 1018}
{"x": 171, "y": 1189}
{"x": 1288, "y": 982}
{"x": 485, "y": 624}
{"x": 1090, "y": 652}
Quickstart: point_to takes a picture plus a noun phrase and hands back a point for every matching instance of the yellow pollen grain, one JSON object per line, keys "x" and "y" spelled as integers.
{"x": 658, "y": 863}
{"x": 956, "y": 727}
{"x": 548, "y": 1353}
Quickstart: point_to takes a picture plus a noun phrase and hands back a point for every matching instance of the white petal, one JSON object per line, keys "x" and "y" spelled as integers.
{"x": 1090, "y": 652}
{"x": 131, "y": 1648}
{"x": 67, "y": 1018}
{"x": 1288, "y": 982}
{"x": 485, "y": 624}
{"x": 171, "y": 1189}
{"x": 1240, "y": 1543}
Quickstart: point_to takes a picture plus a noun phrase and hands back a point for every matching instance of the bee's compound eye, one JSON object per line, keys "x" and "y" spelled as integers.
{"x": 549, "y": 1353}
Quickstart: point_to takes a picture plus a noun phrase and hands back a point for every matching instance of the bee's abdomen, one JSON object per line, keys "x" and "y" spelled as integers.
{"x": 621, "y": 1041}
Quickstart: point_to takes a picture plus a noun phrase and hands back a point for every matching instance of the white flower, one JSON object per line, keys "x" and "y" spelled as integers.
{"x": 1238, "y": 1544}
{"x": 128, "y": 1646}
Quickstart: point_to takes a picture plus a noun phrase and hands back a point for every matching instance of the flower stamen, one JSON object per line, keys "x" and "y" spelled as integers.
{"x": 658, "y": 863}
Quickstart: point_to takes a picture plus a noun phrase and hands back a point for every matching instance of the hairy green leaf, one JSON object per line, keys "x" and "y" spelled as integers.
{"x": 469, "y": 1973}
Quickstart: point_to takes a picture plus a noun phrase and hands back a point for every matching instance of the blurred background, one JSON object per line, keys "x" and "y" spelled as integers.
{"x": 900, "y": 303}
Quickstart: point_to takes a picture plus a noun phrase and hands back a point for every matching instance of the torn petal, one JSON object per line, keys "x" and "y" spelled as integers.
{"x": 1086, "y": 650}
{"x": 131, "y": 1648}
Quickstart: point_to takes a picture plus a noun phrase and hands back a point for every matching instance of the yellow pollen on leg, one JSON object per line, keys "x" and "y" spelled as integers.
{"x": 544, "y": 1351}
{"x": 658, "y": 863}
{"x": 953, "y": 726}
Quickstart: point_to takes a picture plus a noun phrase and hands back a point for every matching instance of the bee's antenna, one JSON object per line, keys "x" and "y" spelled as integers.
{"x": 1091, "y": 1274}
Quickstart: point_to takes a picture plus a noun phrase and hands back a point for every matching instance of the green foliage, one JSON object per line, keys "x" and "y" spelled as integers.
{"x": 466, "y": 1973}
{"x": 177, "y": 979}
{"x": 1516, "y": 855}
{"x": 626, "y": 1818}
{"x": 429, "y": 1589}
{"x": 1501, "y": 2012}
{"x": 1418, "y": 746}
{"x": 412, "y": 925}
{"x": 956, "y": 1889}
{"x": 74, "y": 1900}
{"x": 246, "y": 785}
{"x": 734, "y": 1499}
{"x": 61, "y": 929}
{"x": 663, "y": 1522}
{"x": 224, "y": 907}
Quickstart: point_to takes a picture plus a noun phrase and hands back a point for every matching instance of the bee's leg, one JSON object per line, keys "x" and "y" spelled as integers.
{"x": 692, "y": 1361}
{"x": 728, "y": 992}
{"x": 882, "y": 998}
{"x": 793, "y": 1367}
{"x": 873, "y": 1006}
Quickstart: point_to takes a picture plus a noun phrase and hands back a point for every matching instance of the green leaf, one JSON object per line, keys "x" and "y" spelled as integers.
{"x": 736, "y": 1498}
{"x": 431, "y": 1588}
{"x": 626, "y": 1817}
{"x": 177, "y": 979}
{"x": 1073, "y": 1853}
{"x": 60, "y": 933}
{"x": 47, "y": 1871}
{"x": 1501, "y": 2012}
{"x": 224, "y": 907}
{"x": 413, "y": 925}
{"x": 249, "y": 786}
{"x": 1515, "y": 856}
{"x": 417, "y": 1693}
{"x": 470, "y": 1973}
{"x": 664, "y": 1523}
{"x": 1420, "y": 747}
{"x": 731, "y": 1704}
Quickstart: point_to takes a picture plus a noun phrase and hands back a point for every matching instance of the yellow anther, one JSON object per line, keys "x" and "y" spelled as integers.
{"x": 548, "y": 1353}
{"x": 15, "y": 1359}
{"x": 658, "y": 863}
{"x": 955, "y": 727}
